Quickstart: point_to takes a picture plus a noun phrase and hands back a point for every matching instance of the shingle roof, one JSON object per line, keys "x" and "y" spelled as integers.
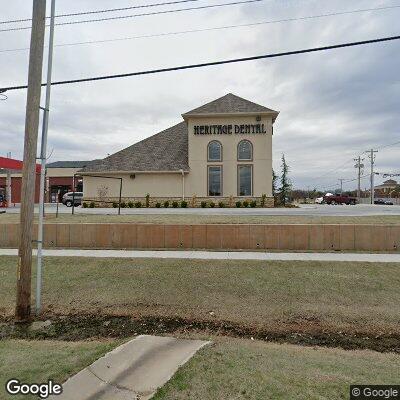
{"x": 164, "y": 151}
{"x": 68, "y": 164}
{"x": 229, "y": 104}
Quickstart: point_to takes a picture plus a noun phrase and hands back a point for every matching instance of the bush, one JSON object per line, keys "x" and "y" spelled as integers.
{"x": 158, "y": 205}
{"x": 203, "y": 204}
{"x": 115, "y": 204}
{"x": 253, "y": 204}
{"x": 85, "y": 205}
{"x": 245, "y": 203}
{"x": 238, "y": 204}
{"x": 166, "y": 204}
{"x": 123, "y": 204}
{"x": 92, "y": 205}
{"x": 221, "y": 204}
{"x": 212, "y": 204}
{"x": 175, "y": 204}
{"x": 147, "y": 200}
{"x": 184, "y": 204}
{"x": 263, "y": 198}
{"x": 130, "y": 204}
{"x": 138, "y": 204}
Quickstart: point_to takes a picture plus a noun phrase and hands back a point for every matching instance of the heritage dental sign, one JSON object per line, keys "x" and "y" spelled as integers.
{"x": 229, "y": 129}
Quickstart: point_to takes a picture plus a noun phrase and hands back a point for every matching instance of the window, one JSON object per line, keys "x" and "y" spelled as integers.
{"x": 214, "y": 151}
{"x": 245, "y": 151}
{"x": 245, "y": 180}
{"x": 215, "y": 181}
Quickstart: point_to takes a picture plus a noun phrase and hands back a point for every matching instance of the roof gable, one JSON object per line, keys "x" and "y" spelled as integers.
{"x": 230, "y": 104}
{"x": 164, "y": 151}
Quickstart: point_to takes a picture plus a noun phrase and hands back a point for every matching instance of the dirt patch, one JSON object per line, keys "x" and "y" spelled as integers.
{"x": 81, "y": 327}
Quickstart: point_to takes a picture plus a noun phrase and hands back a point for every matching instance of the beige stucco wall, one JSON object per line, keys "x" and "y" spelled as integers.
{"x": 156, "y": 184}
{"x": 262, "y": 156}
{"x": 61, "y": 172}
{"x": 170, "y": 184}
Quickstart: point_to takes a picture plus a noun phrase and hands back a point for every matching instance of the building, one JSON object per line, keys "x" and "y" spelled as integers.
{"x": 387, "y": 188}
{"x": 221, "y": 151}
{"x": 59, "y": 180}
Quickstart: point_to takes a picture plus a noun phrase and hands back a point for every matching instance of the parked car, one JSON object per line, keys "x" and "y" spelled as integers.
{"x": 319, "y": 200}
{"x": 383, "y": 202}
{"x": 340, "y": 199}
{"x": 77, "y": 198}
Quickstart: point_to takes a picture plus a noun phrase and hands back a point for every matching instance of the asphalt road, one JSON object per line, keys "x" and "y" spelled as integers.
{"x": 307, "y": 210}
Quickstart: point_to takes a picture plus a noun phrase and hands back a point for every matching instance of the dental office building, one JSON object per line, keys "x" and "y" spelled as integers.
{"x": 221, "y": 151}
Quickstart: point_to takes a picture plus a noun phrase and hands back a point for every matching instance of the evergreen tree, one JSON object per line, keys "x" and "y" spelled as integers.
{"x": 274, "y": 183}
{"x": 285, "y": 185}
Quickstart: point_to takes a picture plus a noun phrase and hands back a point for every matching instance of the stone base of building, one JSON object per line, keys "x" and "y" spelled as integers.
{"x": 192, "y": 202}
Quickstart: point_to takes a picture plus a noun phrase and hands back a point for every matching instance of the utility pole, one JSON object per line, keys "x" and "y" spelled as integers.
{"x": 359, "y": 167}
{"x": 372, "y": 159}
{"x": 24, "y": 271}
{"x": 8, "y": 184}
{"x": 341, "y": 185}
{"x": 43, "y": 151}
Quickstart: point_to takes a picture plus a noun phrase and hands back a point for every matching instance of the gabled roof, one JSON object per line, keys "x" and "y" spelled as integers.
{"x": 164, "y": 151}
{"x": 68, "y": 164}
{"x": 230, "y": 104}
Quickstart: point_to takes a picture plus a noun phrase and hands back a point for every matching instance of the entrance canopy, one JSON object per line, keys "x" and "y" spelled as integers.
{"x": 10, "y": 163}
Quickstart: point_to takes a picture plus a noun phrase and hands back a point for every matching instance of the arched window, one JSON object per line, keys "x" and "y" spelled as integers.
{"x": 214, "y": 151}
{"x": 245, "y": 151}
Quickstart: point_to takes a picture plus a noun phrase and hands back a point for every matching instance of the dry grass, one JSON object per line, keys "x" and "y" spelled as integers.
{"x": 39, "y": 361}
{"x": 333, "y": 296}
{"x": 210, "y": 219}
{"x": 252, "y": 370}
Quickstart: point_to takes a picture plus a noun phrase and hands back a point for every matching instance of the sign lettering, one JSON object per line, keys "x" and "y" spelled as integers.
{"x": 229, "y": 129}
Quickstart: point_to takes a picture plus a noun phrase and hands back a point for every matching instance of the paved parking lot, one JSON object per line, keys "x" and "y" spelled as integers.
{"x": 303, "y": 210}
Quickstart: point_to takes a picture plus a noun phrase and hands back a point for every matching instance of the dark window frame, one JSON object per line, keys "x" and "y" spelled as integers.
{"x": 208, "y": 151}
{"x": 222, "y": 180}
{"x": 252, "y": 180}
{"x": 252, "y": 151}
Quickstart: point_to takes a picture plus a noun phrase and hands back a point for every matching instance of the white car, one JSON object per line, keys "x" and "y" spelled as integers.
{"x": 319, "y": 200}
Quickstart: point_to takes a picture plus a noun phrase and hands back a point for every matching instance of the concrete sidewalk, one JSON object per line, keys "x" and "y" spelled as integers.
{"x": 132, "y": 371}
{"x": 218, "y": 255}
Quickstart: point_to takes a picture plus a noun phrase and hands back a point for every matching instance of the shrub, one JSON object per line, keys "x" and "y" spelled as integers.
{"x": 175, "y": 204}
{"x": 115, "y": 204}
{"x": 138, "y": 204}
{"x": 230, "y": 201}
{"x": 166, "y": 204}
{"x": 212, "y": 204}
{"x": 130, "y": 204}
{"x": 263, "y": 198}
{"x": 245, "y": 203}
{"x": 221, "y": 204}
{"x": 253, "y": 204}
{"x": 193, "y": 201}
{"x": 238, "y": 204}
{"x": 92, "y": 205}
{"x": 158, "y": 205}
{"x": 184, "y": 204}
{"x": 123, "y": 204}
{"x": 147, "y": 200}
{"x": 85, "y": 205}
{"x": 203, "y": 204}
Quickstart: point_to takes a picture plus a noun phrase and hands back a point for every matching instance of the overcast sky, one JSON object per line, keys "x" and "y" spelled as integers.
{"x": 334, "y": 105}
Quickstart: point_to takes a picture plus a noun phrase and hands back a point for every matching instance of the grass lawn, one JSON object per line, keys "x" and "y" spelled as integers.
{"x": 299, "y": 296}
{"x": 211, "y": 219}
{"x": 39, "y": 361}
{"x": 252, "y": 370}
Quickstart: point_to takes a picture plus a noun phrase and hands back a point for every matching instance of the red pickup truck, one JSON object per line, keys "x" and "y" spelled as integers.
{"x": 340, "y": 199}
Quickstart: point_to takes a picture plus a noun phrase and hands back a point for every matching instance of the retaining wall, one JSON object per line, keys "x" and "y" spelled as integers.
{"x": 229, "y": 236}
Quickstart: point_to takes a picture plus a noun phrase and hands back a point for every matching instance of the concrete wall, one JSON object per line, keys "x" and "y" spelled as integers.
{"x": 229, "y": 236}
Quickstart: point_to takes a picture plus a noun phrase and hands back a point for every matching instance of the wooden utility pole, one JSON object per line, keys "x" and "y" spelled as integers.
{"x": 24, "y": 270}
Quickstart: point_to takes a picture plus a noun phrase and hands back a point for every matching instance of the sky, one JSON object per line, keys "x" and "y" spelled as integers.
{"x": 333, "y": 105}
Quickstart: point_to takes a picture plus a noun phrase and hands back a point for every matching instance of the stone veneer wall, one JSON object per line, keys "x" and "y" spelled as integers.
{"x": 228, "y": 201}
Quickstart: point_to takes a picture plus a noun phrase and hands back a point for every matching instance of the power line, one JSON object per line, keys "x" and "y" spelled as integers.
{"x": 388, "y": 145}
{"x": 213, "y": 63}
{"x": 140, "y": 15}
{"x": 102, "y": 11}
{"x": 210, "y": 29}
